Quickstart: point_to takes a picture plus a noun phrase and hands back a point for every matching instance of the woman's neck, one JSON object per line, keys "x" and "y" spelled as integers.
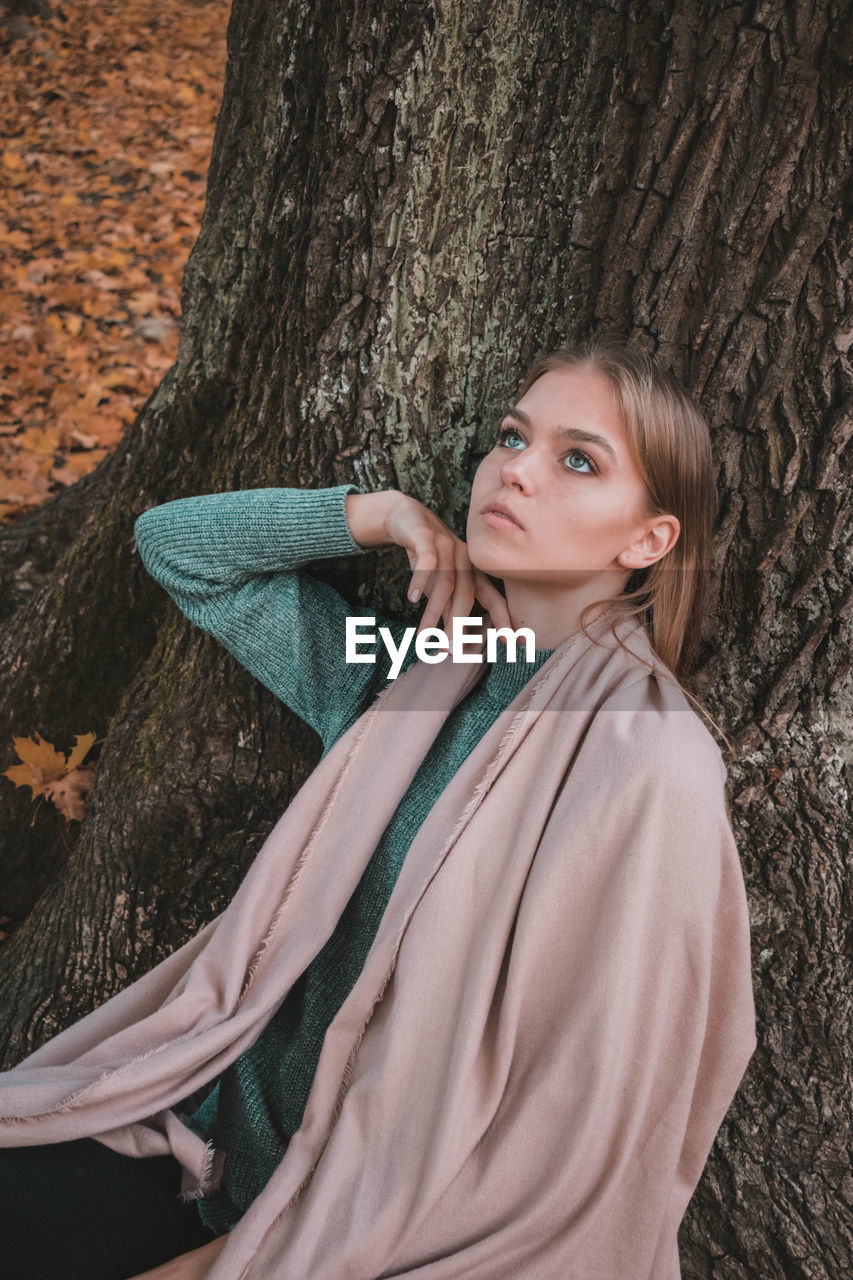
{"x": 553, "y": 613}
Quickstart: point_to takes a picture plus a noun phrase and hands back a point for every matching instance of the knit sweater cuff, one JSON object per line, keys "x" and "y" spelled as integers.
{"x": 317, "y": 519}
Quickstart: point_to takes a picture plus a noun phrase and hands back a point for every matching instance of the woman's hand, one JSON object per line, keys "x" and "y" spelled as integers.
{"x": 187, "y": 1266}
{"x": 442, "y": 569}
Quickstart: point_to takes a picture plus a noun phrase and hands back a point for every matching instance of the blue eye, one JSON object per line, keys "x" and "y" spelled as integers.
{"x": 505, "y": 432}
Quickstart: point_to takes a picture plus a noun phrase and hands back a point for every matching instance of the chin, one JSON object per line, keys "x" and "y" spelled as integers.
{"x": 482, "y": 558}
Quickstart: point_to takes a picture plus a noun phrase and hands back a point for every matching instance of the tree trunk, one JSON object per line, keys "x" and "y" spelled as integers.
{"x": 406, "y": 204}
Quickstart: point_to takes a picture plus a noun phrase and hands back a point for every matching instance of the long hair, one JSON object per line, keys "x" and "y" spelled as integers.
{"x": 670, "y": 445}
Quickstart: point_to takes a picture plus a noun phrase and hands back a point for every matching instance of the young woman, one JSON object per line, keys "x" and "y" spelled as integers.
{"x": 595, "y": 502}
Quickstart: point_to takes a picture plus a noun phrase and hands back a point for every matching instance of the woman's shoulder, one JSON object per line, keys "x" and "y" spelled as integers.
{"x": 666, "y": 772}
{"x": 660, "y": 730}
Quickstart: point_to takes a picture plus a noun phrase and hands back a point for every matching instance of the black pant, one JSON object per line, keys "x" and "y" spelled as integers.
{"x": 79, "y": 1211}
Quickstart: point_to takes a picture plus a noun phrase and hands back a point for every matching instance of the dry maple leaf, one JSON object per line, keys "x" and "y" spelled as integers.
{"x": 49, "y": 773}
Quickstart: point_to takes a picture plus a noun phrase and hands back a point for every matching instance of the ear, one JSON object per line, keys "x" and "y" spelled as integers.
{"x": 656, "y": 537}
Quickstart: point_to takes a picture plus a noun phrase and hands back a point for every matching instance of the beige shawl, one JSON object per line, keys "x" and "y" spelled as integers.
{"x": 529, "y": 1073}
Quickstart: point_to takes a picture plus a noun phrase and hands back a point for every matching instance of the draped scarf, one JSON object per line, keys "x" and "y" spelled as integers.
{"x": 529, "y": 1073}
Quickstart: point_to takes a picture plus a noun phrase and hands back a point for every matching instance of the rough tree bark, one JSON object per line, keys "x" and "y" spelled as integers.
{"x": 406, "y": 204}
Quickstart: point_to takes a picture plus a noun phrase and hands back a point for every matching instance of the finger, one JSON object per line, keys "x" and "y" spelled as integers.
{"x": 436, "y": 605}
{"x": 425, "y": 560}
{"x": 462, "y": 600}
{"x": 422, "y": 585}
{"x": 443, "y": 584}
{"x": 492, "y": 600}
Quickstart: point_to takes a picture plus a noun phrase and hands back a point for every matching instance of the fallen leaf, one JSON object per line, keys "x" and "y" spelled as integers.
{"x": 68, "y": 791}
{"x": 49, "y": 773}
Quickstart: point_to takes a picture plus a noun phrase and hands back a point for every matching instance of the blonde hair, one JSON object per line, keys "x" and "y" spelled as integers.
{"x": 670, "y": 445}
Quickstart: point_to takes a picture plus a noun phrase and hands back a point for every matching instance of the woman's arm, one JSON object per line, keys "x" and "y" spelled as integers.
{"x": 231, "y": 562}
{"x": 187, "y": 1266}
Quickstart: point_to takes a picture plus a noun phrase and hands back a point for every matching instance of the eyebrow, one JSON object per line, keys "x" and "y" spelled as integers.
{"x": 569, "y": 433}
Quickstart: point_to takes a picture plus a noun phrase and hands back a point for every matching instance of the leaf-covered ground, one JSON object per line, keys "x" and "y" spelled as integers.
{"x": 107, "y": 113}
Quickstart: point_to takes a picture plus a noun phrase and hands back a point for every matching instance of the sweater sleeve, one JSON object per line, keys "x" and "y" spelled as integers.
{"x": 231, "y": 562}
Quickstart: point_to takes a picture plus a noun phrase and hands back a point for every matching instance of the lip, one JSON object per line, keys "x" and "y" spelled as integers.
{"x": 492, "y": 507}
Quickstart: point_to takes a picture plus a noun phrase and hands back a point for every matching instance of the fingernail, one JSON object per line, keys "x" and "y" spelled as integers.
{"x": 414, "y": 595}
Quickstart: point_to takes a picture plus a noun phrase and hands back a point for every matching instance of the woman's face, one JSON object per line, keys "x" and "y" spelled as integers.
{"x": 565, "y": 472}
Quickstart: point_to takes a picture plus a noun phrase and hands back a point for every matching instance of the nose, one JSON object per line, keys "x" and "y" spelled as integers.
{"x": 518, "y": 468}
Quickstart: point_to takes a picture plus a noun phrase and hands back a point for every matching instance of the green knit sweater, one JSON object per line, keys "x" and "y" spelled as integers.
{"x": 231, "y": 562}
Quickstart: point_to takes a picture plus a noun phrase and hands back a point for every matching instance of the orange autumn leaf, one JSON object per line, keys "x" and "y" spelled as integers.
{"x": 63, "y": 780}
{"x": 93, "y": 394}
{"x": 39, "y": 440}
{"x": 106, "y": 429}
{"x": 40, "y": 760}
